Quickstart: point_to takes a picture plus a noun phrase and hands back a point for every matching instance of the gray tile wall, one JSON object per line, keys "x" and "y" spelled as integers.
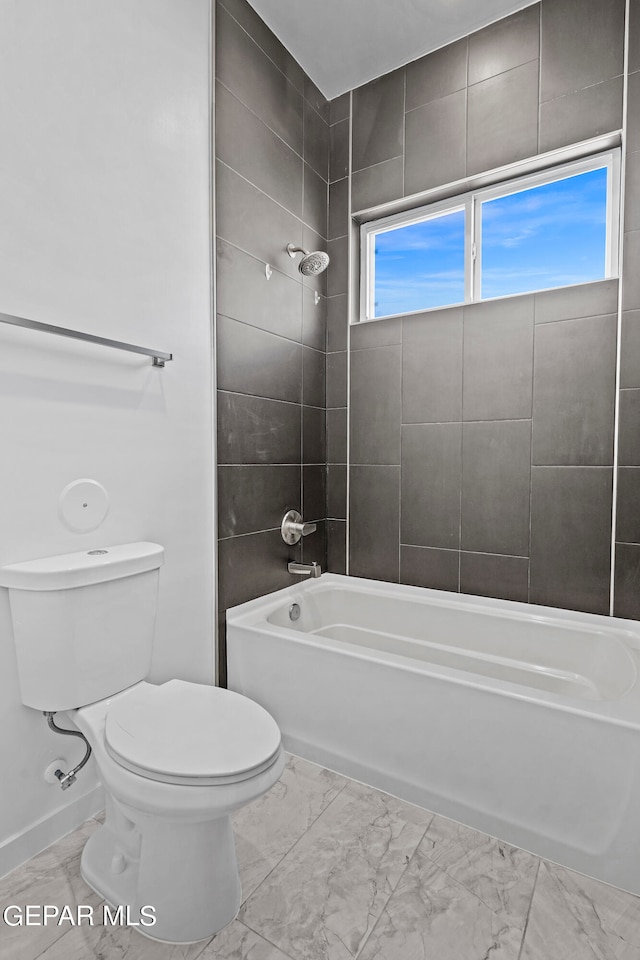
{"x": 272, "y": 175}
{"x": 627, "y": 553}
{"x": 481, "y": 438}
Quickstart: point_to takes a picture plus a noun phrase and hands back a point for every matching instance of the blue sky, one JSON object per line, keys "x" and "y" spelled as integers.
{"x": 547, "y": 236}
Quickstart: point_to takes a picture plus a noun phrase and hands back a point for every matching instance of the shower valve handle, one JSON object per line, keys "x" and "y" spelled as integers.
{"x": 293, "y": 527}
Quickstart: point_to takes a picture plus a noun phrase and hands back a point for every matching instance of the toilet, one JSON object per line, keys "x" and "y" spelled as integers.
{"x": 175, "y": 759}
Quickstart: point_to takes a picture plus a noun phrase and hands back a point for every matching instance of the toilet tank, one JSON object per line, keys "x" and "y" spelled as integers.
{"x": 83, "y": 623}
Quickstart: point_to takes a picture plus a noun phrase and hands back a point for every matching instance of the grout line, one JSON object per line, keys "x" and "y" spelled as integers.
{"x": 213, "y": 345}
{"x": 533, "y": 369}
{"x": 255, "y": 396}
{"x": 302, "y": 835}
{"x": 395, "y": 888}
{"x": 539, "y": 110}
{"x": 287, "y": 145}
{"x": 347, "y": 540}
{"x": 280, "y": 336}
{"x": 526, "y": 922}
{"x": 271, "y": 60}
{"x": 262, "y": 937}
{"x": 277, "y": 202}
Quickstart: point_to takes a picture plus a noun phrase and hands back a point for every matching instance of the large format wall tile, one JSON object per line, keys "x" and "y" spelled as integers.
{"x": 255, "y": 430}
{"x": 313, "y": 377}
{"x": 316, "y": 141}
{"x": 578, "y": 116}
{"x": 572, "y": 303}
{"x": 582, "y": 44}
{"x": 253, "y": 361}
{"x": 257, "y": 29}
{"x": 377, "y": 184}
{"x": 255, "y": 497}
{"x": 429, "y": 567}
{"x": 339, "y": 150}
{"x": 245, "y": 70}
{"x": 337, "y": 546}
{"x": 498, "y": 359}
{"x": 435, "y": 143}
{"x": 378, "y": 120}
{"x": 432, "y": 367}
{"x": 374, "y": 521}
{"x": 252, "y": 221}
{"x": 496, "y": 457}
{"x": 574, "y": 392}
{"x": 375, "y": 405}
{"x": 571, "y": 537}
{"x": 244, "y": 293}
{"x": 437, "y": 75}
{"x": 502, "y": 121}
{"x": 630, "y": 350}
{"x": 627, "y": 581}
{"x": 253, "y": 565}
{"x": 488, "y": 575}
{"x": 338, "y": 223}
{"x": 508, "y": 43}
{"x": 337, "y": 490}
{"x": 314, "y": 201}
{"x": 628, "y": 433}
{"x": 245, "y": 143}
{"x": 628, "y": 505}
{"x": 431, "y": 462}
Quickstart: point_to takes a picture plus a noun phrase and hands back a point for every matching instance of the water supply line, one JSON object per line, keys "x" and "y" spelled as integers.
{"x": 66, "y": 779}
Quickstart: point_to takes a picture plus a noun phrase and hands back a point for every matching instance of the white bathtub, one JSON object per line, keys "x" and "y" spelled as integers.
{"x": 521, "y": 721}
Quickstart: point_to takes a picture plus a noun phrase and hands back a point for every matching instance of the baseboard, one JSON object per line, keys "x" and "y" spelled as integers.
{"x": 20, "y": 848}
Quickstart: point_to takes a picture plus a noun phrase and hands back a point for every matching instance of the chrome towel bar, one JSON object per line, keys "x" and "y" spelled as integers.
{"x": 159, "y": 357}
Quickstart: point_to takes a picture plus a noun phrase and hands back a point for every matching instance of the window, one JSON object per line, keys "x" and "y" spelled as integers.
{"x": 550, "y": 229}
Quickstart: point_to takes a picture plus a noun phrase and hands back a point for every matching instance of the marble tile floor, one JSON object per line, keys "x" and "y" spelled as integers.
{"x": 334, "y": 870}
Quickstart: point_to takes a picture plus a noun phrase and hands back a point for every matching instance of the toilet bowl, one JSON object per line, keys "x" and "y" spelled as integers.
{"x": 176, "y": 759}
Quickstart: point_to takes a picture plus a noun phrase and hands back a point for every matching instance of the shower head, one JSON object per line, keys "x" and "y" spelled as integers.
{"x": 312, "y": 263}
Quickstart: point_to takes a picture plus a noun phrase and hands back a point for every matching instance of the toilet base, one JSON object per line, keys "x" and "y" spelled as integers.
{"x": 186, "y": 871}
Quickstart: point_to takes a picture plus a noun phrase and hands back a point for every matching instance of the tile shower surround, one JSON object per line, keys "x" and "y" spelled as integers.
{"x": 334, "y": 870}
{"x": 482, "y": 437}
{"x": 272, "y": 156}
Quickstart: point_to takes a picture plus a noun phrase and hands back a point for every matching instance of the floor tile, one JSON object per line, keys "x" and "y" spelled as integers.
{"x": 500, "y": 875}
{"x": 237, "y": 942}
{"x": 267, "y": 829}
{"x": 324, "y": 898}
{"x": 52, "y": 877}
{"x": 432, "y": 916}
{"x": 577, "y": 918}
{"x": 117, "y": 943}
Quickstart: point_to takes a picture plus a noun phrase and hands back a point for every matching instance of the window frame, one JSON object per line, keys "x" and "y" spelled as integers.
{"x": 471, "y": 201}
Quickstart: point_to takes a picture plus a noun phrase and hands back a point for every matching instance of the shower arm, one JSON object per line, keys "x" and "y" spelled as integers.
{"x": 67, "y": 779}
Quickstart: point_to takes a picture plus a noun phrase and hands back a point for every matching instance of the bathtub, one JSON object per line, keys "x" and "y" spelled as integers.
{"x": 518, "y": 720}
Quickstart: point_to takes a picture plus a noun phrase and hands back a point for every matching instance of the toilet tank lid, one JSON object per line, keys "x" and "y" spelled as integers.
{"x": 84, "y": 568}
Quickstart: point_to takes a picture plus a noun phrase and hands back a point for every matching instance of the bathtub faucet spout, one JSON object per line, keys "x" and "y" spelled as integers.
{"x": 305, "y": 569}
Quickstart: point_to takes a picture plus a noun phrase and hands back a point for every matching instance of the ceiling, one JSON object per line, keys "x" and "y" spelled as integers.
{"x": 343, "y": 43}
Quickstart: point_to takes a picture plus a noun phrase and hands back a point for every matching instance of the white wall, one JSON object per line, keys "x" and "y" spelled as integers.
{"x": 104, "y": 227}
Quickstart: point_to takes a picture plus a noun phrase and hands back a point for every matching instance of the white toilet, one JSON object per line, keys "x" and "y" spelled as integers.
{"x": 176, "y": 760}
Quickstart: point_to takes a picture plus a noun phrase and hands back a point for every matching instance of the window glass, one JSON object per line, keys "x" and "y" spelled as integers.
{"x": 538, "y": 231}
{"x": 551, "y": 235}
{"x": 419, "y": 265}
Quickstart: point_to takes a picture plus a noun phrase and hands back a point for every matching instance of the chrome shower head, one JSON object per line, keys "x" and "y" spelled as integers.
{"x": 312, "y": 263}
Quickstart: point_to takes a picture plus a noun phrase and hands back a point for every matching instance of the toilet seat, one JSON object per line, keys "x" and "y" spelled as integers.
{"x": 191, "y": 734}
